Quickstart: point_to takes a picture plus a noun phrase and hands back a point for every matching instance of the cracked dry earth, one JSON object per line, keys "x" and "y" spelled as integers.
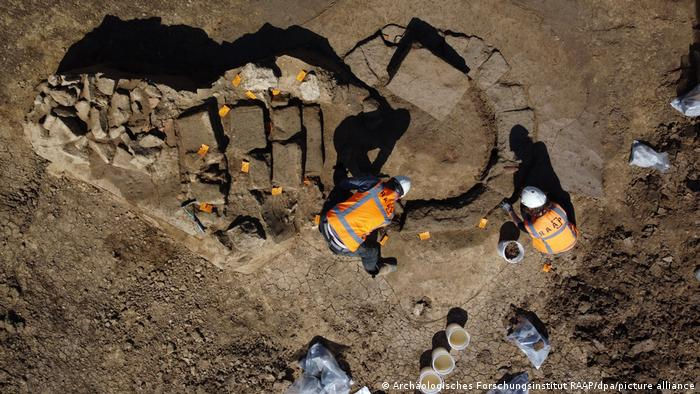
{"x": 106, "y": 284}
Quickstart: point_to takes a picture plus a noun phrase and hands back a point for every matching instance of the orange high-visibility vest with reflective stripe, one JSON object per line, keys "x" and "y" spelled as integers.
{"x": 353, "y": 220}
{"x": 552, "y": 233}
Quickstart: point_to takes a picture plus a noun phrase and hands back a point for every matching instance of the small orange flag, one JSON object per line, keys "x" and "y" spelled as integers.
{"x": 250, "y": 95}
{"x": 236, "y": 80}
{"x": 204, "y": 207}
{"x": 301, "y": 75}
{"x": 277, "y": 190}
{"x": 203, "y": 149}
{"x": 384, "y": 240}
{"x": 224, "y": 110}
{"x": 245, "y": 166}
{"x": 424, "y": 235}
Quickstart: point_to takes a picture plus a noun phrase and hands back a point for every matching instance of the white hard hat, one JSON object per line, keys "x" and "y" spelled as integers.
{"x": 533, "y": 197}
{"x": 405, "y": 183}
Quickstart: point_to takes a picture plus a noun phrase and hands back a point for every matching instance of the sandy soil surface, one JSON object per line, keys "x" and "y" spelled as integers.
{"x": 94, "y": 296}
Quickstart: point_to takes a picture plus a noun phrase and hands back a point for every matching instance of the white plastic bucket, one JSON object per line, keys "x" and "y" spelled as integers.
{"x": 502, "y": 251}
{"x": 443, "y": 363}
{"x": 457, "y": 336}
{"x": 430, "y": 381}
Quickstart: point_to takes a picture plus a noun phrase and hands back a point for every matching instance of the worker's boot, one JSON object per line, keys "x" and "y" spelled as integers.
{"x": 387, "y": 268}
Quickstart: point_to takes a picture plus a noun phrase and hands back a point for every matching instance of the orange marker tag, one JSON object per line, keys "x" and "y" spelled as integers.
{"x": 423, "y": 236}
{"x": 307, "y": 181}
{"x": 277, "y": 190}
{"x": 204, "y": 207}
{"x": 275, "y": 92}
{"x": 250, "y": 95}
{"x": 384, "y": 240}
{"x": 236, "y": 80}
{"x": 245, "y": 166}
{"x": 203, "y": 149}
{"x": 546, "y": 267}
{"x": 301, "y": 75}
{"x": 224, "y": 110}
{"x": 317, "y": 220}
{"x": 482, "y": 223}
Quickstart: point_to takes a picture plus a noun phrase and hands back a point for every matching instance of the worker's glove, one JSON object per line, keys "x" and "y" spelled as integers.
{"x": 506, "y": 207}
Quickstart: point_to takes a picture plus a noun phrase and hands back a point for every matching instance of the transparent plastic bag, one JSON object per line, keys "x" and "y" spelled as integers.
{"x": 689, "y": 103}
{"x": 320, "y": 366}
{"x": 526, "y": 337}
{"x": 516, "y": 385}
{"x": 306, "y": 384}
{"x": 645, "y": 157}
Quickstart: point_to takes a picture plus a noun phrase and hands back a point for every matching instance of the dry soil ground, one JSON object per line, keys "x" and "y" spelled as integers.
{"x": 95, "y": 299}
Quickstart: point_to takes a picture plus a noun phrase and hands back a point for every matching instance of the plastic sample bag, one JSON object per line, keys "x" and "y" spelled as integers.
{"x": 516, "y": 385}
{"x": 322, "y": 374}
{"x": 688, "y": 104}
{"x": 645, "y": 157}
{"x": 526, "y": 337}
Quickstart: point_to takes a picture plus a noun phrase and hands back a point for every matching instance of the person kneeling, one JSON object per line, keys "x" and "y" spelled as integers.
{"x": 346, "y": 225}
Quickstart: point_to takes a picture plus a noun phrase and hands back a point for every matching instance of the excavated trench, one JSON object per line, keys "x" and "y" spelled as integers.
{"x": 232, "y": 147}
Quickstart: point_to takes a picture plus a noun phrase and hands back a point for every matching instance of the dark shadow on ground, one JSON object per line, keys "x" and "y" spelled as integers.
{"x": 690, "y": 63}
{"x": 426, "y": 359}
{"x": 509, "y": 232}
{"x": 359, "y": 134}
{"x": 457, "y": 315}
{"x": 534, "y": 319}
{"x": 536, "y": 170}
{"x": 440, "y": 340}
{"x": 184, "y": 57}
{"x": 422, "y": 33}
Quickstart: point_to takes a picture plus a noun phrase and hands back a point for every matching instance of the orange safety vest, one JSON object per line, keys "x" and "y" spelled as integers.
{"x": 552, "y": 233}
{"x": 353, "y": 220}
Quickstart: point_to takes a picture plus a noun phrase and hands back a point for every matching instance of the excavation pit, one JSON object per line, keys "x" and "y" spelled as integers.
{"x": 388, "y": 107}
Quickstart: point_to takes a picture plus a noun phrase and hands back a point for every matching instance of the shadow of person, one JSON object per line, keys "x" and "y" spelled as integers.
{"x": 536, "y": 170}
{"x": 359, "y": 134}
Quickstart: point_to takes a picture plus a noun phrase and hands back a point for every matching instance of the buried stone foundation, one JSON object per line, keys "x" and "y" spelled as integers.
{"x": 246, "y": 161}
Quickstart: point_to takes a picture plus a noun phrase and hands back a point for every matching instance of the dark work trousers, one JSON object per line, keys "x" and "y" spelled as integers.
{"x": 368, "y": 251}
{"x": 369, "y": 255}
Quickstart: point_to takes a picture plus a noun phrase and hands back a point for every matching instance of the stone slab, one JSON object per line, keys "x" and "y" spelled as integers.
{"x": 507, "y": 97}
{"x": 286, "y": 122}
{"x": 194, "y": 130}
{"x": 429, "y": 83}
{"x": 286, "y": 165}
{"x": 369, "y": 61}
{"x": 313, "y": 166}
{"x": 492, "y": 70}
{"x": 245, "y": 127}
